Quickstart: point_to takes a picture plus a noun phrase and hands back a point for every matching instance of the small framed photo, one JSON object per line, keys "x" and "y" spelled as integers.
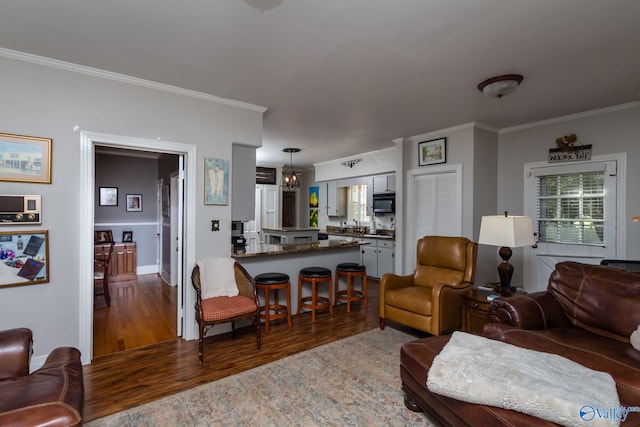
{"x": 432, "y": 152}
{"x": 127, "y": 236}
{"x": 103, "y": 236}
{"x": 134, "y": 202}
{"x": 108, "y": 196}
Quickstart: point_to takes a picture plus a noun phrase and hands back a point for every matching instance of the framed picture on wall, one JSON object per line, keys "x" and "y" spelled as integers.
{"x": 25, "y": 256}
{"x": 134, "y": 203}
{"x": 216, "y": 182}
{"x": 127, "y": 236}
{"x": 108, "y": 196}
{"x": 25, "y": 158}
{"x": 432, "y": 152}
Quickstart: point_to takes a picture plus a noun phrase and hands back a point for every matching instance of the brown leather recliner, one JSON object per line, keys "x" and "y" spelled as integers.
{"x": 430, "y": 299}
{"x": 52, "y": 395}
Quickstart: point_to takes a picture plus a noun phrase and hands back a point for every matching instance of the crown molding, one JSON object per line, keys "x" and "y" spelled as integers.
{"x": 440, "y": 132}
{"x": 122, "y": 78}
{"x": 562, "y": 119}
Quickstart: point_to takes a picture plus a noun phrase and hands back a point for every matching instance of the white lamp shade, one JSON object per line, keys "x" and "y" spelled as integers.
{"x": 511, "y": 231}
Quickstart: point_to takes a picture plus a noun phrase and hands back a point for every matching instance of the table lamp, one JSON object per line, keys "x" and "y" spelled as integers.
{"x": 506, "y": 231}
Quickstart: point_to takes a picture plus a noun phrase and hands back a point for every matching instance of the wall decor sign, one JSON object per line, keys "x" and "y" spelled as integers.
{"x": 134, "y": 203}
{"x": 432, "y": 152}
{"x": 25, "y": 158}
{"x": 265, "y": 175}
{"x": 216, "y": 182}
{"x": 567, "y": 151}
{"x": 24, "y": 257}
{"x": 108, "y": 196}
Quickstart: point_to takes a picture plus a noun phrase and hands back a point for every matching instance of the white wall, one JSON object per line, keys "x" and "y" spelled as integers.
{"x": 48, "y": 102}
{"x": 610, "y": 130}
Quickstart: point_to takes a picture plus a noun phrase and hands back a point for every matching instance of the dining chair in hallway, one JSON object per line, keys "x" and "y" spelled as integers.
{"x": 102, "y": 253}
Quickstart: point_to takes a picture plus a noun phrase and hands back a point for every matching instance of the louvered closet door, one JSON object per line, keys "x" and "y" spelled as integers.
{"x": 435, "y": 206}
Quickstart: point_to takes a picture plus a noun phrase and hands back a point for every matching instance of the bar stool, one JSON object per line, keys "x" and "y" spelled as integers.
{"x": 351, "y": 270}
{"x": 274, "y": 282}
{"x": 315, "y": 302}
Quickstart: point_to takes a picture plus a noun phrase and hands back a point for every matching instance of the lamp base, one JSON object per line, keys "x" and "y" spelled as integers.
{"x": 505, "y": 291}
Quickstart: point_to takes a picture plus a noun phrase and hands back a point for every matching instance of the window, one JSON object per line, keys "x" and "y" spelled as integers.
{"x": 357, "y": 203}
{"x": 570, "y": 208}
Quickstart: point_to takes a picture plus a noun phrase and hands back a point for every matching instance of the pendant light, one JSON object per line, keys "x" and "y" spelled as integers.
{"x": 290, "y": 179}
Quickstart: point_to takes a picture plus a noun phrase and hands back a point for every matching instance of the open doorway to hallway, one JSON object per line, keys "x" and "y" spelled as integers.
{"x": 144, "y": 307}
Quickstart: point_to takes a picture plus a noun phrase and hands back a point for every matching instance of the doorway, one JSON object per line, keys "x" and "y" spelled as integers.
{"x": 288, "y": 208}
{"x": 89, "y": 140}
{"x": 576, "y": 212}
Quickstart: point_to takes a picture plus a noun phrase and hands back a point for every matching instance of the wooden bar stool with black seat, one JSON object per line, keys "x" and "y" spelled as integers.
{"x": 315, "y": 275}
{"x": 274, "y": 282}
{"x": 351, "y": 270}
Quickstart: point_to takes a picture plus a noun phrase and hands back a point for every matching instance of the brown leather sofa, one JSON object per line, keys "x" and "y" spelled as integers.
{"x": 430, "y": 299}
{"x": 50, "y": 396}
{"x": 587, "y": 314}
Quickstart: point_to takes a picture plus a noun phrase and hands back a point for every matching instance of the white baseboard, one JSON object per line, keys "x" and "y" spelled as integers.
{"x": 146, "y": 269}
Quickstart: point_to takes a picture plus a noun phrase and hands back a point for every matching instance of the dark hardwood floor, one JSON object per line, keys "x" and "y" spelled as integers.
{"x": 132, "y": 377}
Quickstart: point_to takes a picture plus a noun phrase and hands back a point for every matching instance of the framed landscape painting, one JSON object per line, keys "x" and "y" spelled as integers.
{"x": 432, "y": 152}
{"x": 25, "y": 158}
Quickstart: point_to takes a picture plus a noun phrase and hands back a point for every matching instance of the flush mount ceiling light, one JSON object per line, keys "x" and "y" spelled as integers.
{"x": 499, "y": 86}
{"x": 290, "y": 179}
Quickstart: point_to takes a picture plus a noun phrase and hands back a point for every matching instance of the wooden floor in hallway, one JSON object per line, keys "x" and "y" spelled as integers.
{"x": 142, "y": 312}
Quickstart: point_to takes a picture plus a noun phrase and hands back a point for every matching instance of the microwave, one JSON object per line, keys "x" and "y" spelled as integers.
{"x": 384, "y": 203}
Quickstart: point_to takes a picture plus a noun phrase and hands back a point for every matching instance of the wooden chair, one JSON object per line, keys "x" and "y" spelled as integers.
{"x": 225, "y": 309}
{"x": 101, "y": 261}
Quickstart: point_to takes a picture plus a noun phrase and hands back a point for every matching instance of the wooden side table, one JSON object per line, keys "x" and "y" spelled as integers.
{"x": 475, "y": 310}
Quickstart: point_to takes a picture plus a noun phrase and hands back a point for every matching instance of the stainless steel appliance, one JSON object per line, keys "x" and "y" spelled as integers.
{"x": 384, "y": 203}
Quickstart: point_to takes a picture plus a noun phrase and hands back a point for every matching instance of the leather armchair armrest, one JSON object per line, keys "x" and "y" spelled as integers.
{"x": 15, "y": 353}
{"x": 539, "y": 310}
{"x": 390, "y": 281}
{"x": 447, "y": 311}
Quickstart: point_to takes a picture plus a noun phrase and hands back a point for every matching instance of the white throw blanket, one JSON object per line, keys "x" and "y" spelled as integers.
{"x": 635, "y": 338}
{"x": 217, "y": 277}
{"x": 489, "y": 372}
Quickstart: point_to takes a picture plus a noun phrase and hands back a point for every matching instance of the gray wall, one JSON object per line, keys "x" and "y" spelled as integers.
{"x": 131, "y": 175}
{"x": 609, "y": 131}
{"x": 49, "y": 102}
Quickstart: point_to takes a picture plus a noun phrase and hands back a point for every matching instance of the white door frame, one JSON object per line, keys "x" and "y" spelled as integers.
{"x": 88, "y": 141}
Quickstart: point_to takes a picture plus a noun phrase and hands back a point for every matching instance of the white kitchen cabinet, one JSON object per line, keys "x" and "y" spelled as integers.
{"x": 336, "y": 199}
{"x": 384, "y": 184}
{"x": 378, "y": 257}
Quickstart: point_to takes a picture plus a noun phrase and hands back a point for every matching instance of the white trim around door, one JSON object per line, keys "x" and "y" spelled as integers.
{"x": 88, "y": 141}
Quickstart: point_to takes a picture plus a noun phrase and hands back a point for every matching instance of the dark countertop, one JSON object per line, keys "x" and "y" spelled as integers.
{"x": 262, "y": 249}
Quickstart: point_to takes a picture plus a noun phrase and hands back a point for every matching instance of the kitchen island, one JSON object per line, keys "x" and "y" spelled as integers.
{"x": 289, "y": 235}
{"x": 289, "y": 259}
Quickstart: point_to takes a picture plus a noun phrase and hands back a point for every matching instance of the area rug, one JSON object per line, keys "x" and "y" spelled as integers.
{"x": 351, "y": 382}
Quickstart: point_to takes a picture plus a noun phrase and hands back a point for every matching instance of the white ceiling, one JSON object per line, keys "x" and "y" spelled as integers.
{"x": 342, "y": 77}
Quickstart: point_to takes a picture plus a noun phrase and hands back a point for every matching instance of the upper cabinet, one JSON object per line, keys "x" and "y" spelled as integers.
{"x": 384, "y": 184}
{"x": 243, "y": 184}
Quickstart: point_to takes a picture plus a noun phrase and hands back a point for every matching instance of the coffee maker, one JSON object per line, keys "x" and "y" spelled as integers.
{"x": 237, "y": 235}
